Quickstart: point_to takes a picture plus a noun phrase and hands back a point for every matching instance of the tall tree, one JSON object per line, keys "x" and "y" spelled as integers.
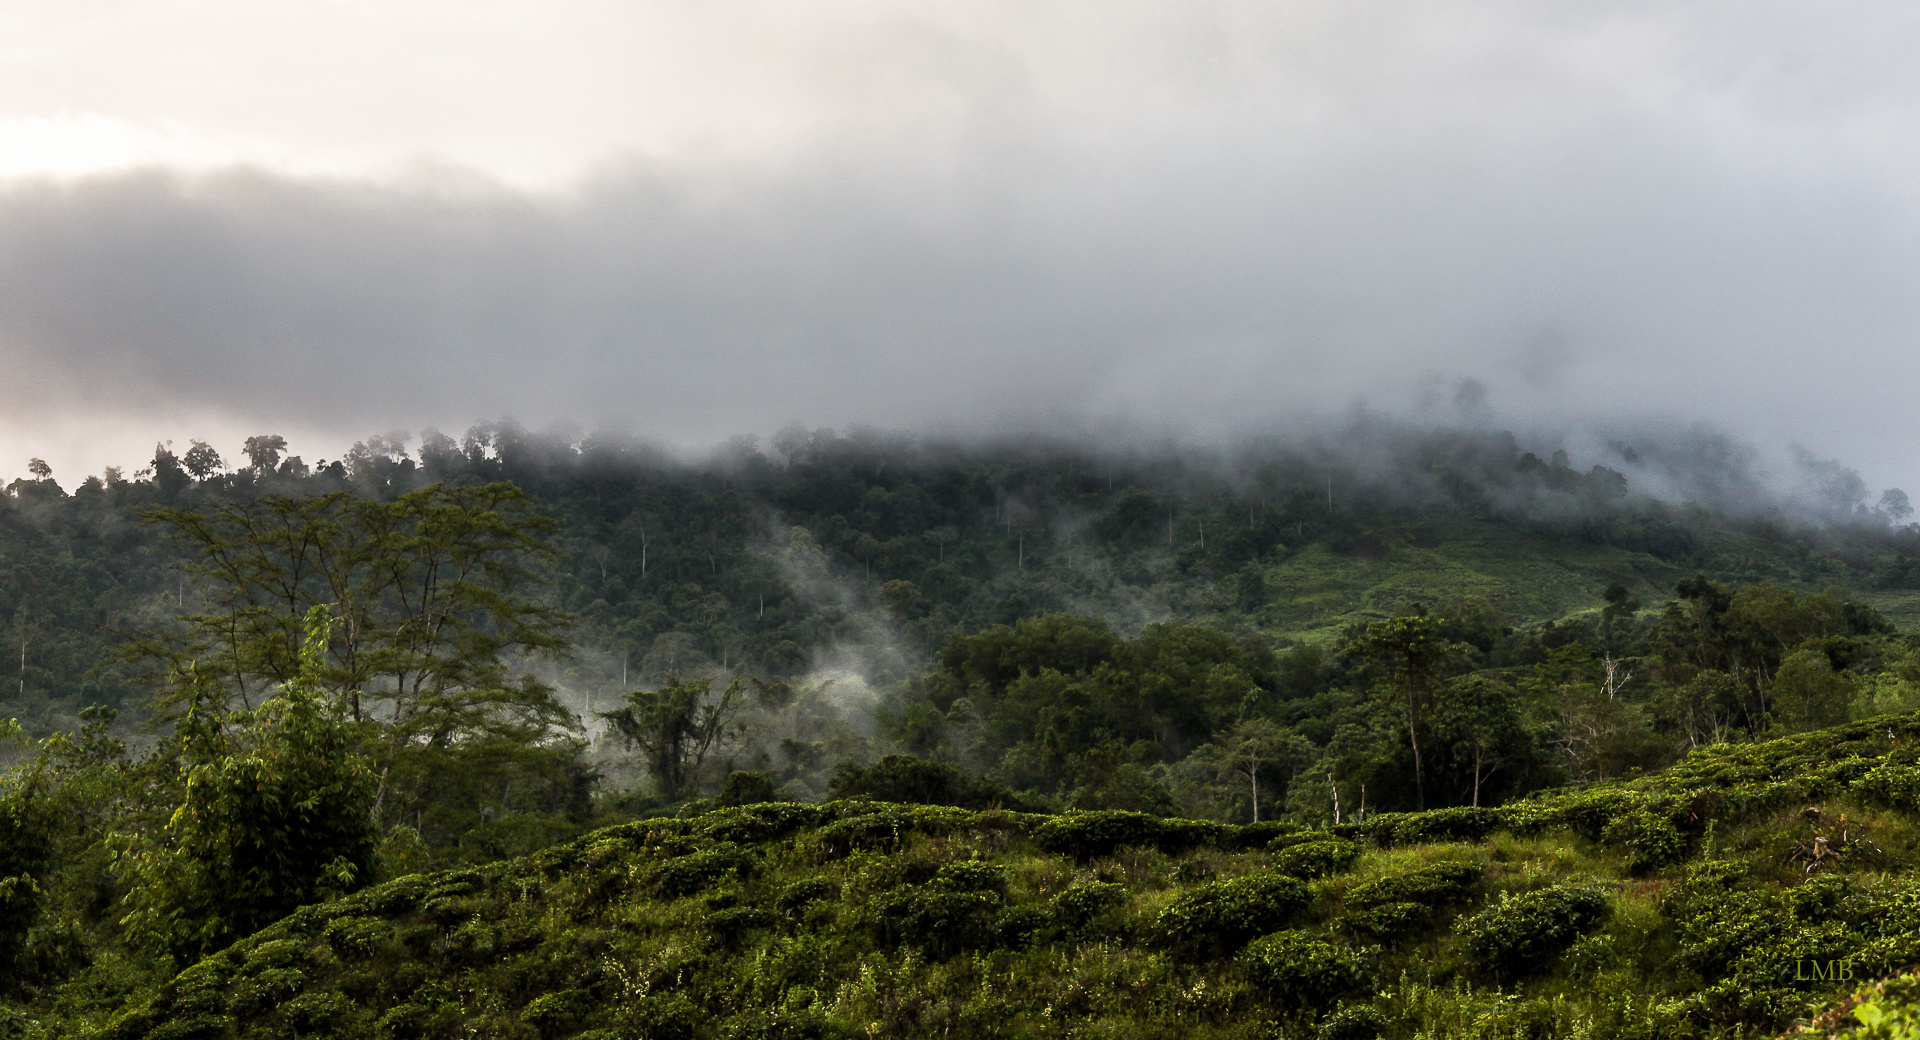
{"x": 434, "y": 617}
{"x": 1257, "y": 758}
{"x": 263, "y": 453}
{"x": 202, "y": 461}
{"x": 1414, "y": 656}
{"x": 677, "y": 726}
{"x": 1479, "y": 719}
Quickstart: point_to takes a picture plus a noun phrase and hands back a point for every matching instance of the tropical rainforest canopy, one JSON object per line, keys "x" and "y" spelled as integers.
{"x": 247, "y": 688}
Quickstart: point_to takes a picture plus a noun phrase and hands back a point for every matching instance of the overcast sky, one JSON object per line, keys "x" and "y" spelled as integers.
{"x": 327, "y": 218}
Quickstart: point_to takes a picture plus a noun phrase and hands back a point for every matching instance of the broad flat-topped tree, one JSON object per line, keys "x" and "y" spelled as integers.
{"x": 430, "y": 593}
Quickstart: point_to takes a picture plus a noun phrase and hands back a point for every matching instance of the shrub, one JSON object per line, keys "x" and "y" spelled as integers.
{"x": 1461, "y": 823}
{"x": 1018, "y": 926}
{"x": 1078, "y": 906}
{"x": 685, "y": 875}
{"x": 1087, "y": 835}
{"x": 399, "y": 895}
{"x": 553, "y": 1013}
{"x": 1303, "y": 971}
{"x": 1177, "y": 836}
{"x": 1528, "y": 818}
{"x": 1225, "y": 914}
{"x": 311, "y": 1013}
{"x": 1315, "y": 859}
{"x": 277, "y": 953}
{"x": 1650, "y": 838}
{"x": 1266, "y": 833}
{"x": 873, "y": 832}
{"x": 1389, "y": 921}
{"x": 1354, "y": 1022}
{"x": 357, "y": 937}
{"x": 1892, "y": 786}
{"x": 730, "y": 925}
{"x": 903, "y": 778}
{"x": 1589, "y": 814}
{"x": 943, "y": 922}
{"x": 970, "y": 875}
{"x": 662, "y": 1016}
{"x": 804, "y": 891}
{"x": 1429, "y": 885}
{"x": 748, "y": 788}
{"x": 1521, "y": 934}
{"x": 763, "y": 822}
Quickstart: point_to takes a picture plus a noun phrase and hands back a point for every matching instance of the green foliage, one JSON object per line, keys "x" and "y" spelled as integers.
{"x": 903, "y": 778}
{"x": 1353, "y": 1022}
{"x": 1413, "y": 652}
{"x": 1461, "y": 823}
{"x": 1086, "y": 835}
{"x": 1315, "y": 859}
{"x": 698, "y": 871}
{"x": 1521, "y": 934}
{"x": 677, "y": 726}
{"x": 1650, "y": 838}
{"x": 1303, "y": 971}
{"x": 430, "y": 592}
{"x": 277, "y": 813}
{"x": 800, "y": 919}
{"x": 1086, "y": 902}
{"x": 1434, "y": 886}
{"x": 1895, "y": 785}
{"x": 26, "y": 857}
{"x": 748, "y": 788}
{"x": 823, "y": 920}
{"x": 1398, "y": 906}
{"x": 1220, "y": 916}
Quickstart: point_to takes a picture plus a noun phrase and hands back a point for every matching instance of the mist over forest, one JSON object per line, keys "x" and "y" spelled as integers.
{"x": 1142, "y": 521}
{"x": 248, "y": 681}
{"x": 860, "y": 555}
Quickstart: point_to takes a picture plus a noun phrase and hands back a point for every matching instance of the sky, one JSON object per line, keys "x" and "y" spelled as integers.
{"x": 331, "y": 218}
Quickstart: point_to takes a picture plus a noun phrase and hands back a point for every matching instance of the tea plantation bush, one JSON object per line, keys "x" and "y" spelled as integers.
{"x": 1521, "y": 934}
{"x": 1315, "y": 859}
{"x": 1304, "y": 971}
{"x": 1222, "y": 915}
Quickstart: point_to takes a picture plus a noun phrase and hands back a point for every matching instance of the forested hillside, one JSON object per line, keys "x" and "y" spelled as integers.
{"x": 247, "y": 687}
{"x": 770, "y": 560}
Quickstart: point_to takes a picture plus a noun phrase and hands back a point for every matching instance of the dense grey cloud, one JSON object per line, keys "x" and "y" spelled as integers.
{"x": 1208, "y": 216}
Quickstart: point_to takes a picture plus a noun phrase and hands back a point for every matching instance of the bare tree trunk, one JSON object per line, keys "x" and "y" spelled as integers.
{"x": 1336, "y": 799}
{"x": 1476, "y": 776}
{"x": 1413, "y": 737}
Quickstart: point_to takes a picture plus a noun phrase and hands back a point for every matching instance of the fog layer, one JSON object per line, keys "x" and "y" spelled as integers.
{"x": 1208, "y": 217}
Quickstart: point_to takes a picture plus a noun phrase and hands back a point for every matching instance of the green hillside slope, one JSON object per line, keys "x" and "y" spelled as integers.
{"x": 1527, "y": 575}
{"x": 1729, "y": 895}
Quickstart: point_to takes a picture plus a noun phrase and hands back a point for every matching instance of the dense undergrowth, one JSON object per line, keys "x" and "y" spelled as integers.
{"x": 1733, "y": 894}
